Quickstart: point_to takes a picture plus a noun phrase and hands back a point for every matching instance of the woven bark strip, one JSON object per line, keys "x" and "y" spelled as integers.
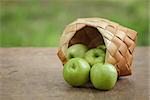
{"x": 119, "y": 41}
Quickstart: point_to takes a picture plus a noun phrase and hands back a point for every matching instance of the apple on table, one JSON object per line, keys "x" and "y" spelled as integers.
{"x": 76, "y": 72}
{"x": 103, "y": 76}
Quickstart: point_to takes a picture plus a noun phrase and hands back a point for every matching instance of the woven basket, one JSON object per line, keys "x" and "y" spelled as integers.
{"x": 119, "y": 41}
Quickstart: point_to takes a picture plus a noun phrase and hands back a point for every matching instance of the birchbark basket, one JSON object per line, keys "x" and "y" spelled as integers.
{"x": 119, "y": 41}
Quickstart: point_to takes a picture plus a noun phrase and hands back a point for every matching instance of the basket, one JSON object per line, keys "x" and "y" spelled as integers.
{"x": 119, "y": 41}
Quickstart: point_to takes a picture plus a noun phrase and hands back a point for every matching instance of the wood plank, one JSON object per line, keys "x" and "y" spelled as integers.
{"x": 36, "y": 74}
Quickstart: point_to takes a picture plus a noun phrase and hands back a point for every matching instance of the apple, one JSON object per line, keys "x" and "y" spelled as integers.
{"x": 76, "y": 50}
{"x": 102, "y": 46}
{"x": 94, "y": 56}
{"x": 103, "y": 76}
{"x": 76, "y": 71}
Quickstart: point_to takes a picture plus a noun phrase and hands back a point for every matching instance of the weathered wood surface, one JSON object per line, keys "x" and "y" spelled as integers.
{"x": 36, "y": 74}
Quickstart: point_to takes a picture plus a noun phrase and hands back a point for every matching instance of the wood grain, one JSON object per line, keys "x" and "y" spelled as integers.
{"x": 36, "y": 74}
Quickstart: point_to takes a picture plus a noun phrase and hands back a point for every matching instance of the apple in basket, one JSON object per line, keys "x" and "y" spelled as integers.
{"x": 94, "y": 56}
{"x": 103, "y": 47}
{"x": 76, "y": 50}
{"x": 76, "y": 71}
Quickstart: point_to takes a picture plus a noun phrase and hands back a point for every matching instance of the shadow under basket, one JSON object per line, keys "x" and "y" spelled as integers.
{"x": 119, "y": 41}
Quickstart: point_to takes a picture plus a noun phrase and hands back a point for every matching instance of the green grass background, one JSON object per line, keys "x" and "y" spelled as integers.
{"x": 40, "y": 23}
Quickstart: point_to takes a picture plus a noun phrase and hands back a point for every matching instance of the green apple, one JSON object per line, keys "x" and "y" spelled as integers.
{"x": 94, "y": 56}
{"x": 102, "y": 46}
{"x": 76, "y": 71}
{"x": 76, "y": 50}
{"x": 103, "y": 76}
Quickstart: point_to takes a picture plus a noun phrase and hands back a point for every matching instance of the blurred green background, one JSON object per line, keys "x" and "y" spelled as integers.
{"x": 40, "y": 23}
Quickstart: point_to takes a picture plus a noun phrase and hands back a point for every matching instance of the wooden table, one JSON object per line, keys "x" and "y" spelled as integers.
{"x": 36, "y": 74}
